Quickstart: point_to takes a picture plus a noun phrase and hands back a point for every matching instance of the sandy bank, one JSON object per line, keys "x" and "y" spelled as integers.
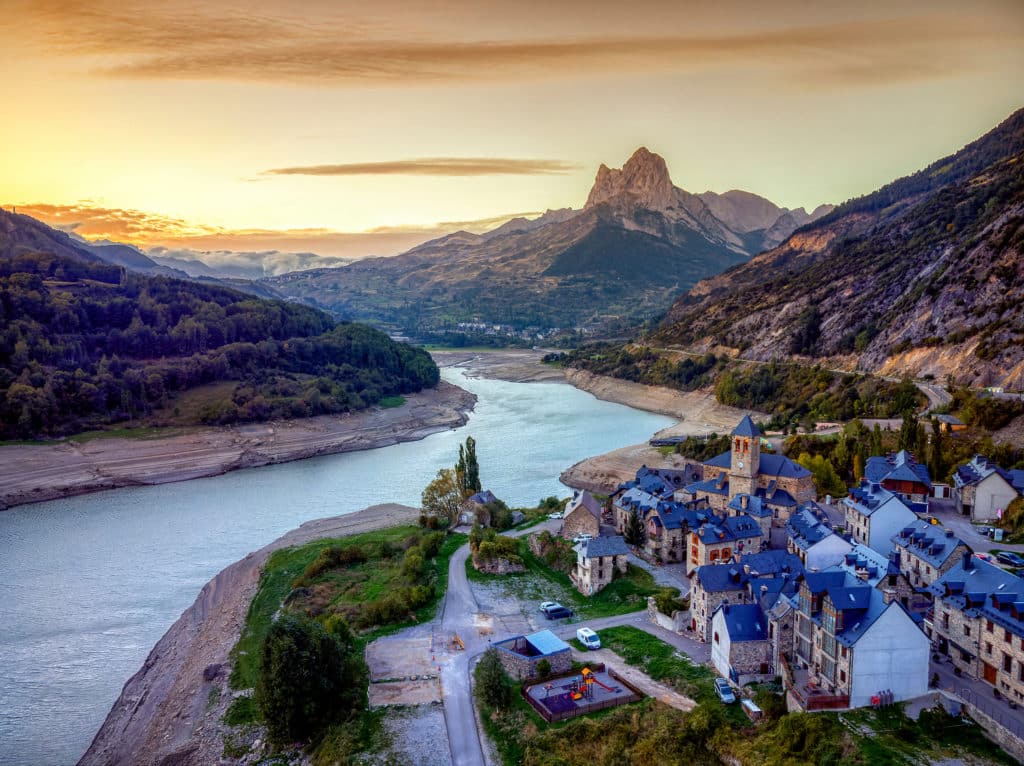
{"x": 33, "y": 473}
{"x": 163, "y": 715}
{"x": 513, "y": 365}
{"x": 698, "y": 412}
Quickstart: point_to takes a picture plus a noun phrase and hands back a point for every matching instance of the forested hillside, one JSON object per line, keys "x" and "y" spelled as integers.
{"x": 84, "y": 343}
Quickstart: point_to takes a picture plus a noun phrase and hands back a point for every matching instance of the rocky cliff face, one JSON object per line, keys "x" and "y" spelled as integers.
{"x": 637, "y": 243}
{"x": 923, "y": 277}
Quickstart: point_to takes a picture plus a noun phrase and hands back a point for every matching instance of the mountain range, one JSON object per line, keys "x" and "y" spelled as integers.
{"x": 620, "y": 260}
{"x": 924, "y": 276}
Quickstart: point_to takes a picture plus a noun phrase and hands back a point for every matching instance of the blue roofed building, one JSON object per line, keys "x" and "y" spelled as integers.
{"x": 810, "y": 536}
{"x": 780, "y": 483}
{"x": 519, "y": 655}
{"x": 902, "y": 475}
{"x": 666, "y": 521}
{"x": 874, "y": 515}
{"x": 721, "y": 538}
{"x": 982, "y": 490}
{"x": 740, "y": 648}
{"x": 849, "y": 643}
{"x": 978, "y": 622}
{"x": 924, "y": 552}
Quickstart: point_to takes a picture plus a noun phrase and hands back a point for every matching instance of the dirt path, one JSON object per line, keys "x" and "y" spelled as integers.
{"x": 163, "y": 715}
{"x": 34, "y": 473}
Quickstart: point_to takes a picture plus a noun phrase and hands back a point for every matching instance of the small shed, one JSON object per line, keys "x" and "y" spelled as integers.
{"x": 521, "y": 654}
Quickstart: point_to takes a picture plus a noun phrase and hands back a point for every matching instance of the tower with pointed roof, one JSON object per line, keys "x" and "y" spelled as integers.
{"x": 746, "y": 458}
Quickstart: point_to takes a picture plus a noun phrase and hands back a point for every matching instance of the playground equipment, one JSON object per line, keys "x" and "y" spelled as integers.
{"x": 590, "y": 678}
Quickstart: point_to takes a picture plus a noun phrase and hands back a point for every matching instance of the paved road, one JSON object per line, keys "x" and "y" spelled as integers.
{"x": 460, "y": 609}
{"x": 962, "y": 527}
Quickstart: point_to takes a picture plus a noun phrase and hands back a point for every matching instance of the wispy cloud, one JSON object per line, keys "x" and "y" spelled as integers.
{"x": 210, "y": 43}
{"x": 434, "y": 166}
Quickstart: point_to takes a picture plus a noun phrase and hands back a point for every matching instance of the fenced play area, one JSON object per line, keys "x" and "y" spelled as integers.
{"x": 579, "y": 693}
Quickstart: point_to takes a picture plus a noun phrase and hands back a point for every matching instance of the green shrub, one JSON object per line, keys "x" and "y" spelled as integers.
{"x": 492, "y": 685}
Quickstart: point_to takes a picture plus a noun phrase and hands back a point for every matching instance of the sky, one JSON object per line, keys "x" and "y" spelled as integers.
{"x": 353, "y": 128}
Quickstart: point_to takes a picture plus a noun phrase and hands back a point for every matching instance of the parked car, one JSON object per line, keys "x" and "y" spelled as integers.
{"x": 588, "y": 638}
{"x": 983, "y": 556}
{"x": 545, "y": 605}
{"x": 556, "y": 515}
{"x": 582, "y": 537}
{"x": 558, "y": 612}
{"x": 724, "y": 691}
{"x": 1010, "y": 559}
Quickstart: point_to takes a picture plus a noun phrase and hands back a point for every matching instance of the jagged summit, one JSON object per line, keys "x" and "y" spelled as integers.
{"x": 643, "y": 182}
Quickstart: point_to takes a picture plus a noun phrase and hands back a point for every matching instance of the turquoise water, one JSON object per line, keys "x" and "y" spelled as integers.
{"x": 89, "y": 584}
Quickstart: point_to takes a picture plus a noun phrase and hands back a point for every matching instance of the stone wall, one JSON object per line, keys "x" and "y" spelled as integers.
{"x": 677, "y": 622}
{"x": 520, "y": 668}
{"x": 579, "y": 522}
{"x": 993, "y": 647}
{"x": 498, "y": 566}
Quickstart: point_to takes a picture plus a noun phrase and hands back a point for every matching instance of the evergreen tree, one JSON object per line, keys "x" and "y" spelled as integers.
{"x": 308, "y": 677}
{"x": 936, "y": 459}
{"x": 468, "y": 469}
{"x": 858, "y": 466}
{"x": 634, "y": 531}
{"x": 908, "y": 432}
{"x": 492, "y": 685}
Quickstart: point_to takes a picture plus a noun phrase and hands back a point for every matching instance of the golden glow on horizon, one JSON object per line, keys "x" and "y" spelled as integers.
{"x": 353, "y": 130}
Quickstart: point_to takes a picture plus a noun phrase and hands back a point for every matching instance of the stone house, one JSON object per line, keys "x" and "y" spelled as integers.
{"x": 924, "y": 552}
{"x": 978, "y": 622}
{"x": 597, "y": 562}
{"x": 812, "y": 539}
{"x": 849, "y": 644}
{"x": 738, "y": 583}
{"x": 582, "y": 516}
{"x": 720, "y": 538}
{"x": 902, "y": 475}
{"x": 521, "y": 654}
{"x": 981, "y": 489}
{"x": 756, "y": 508}
{"x": 881, "y": 573}
{"x": 665, "y": 521}
{"x": 740, "y": 648}
{"x": 874, "y": 515}
{"x": 474, "y": 509}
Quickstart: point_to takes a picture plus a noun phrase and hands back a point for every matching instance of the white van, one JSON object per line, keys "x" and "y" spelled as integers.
{"x": 588, "y": 638}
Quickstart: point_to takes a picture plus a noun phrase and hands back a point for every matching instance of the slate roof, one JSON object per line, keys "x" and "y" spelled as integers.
{"x": 779, "y": 497}
{"x": 585, "y": 499}
{"x": 717, "y": 578}
{"x": 773, "y": 562}
{"x": 861, "y": 604}
{"x": 933, "y": 545}
{"x": 899, "y": 467}
{"x": 805, "y": 529}
{"x": 602, "y": 546}
{"x": 744, "y": 622}
{"x": 861, "y": 558}
{"x": 869, "y": 497}
{"x": 764, "y": 566}
{"x": 546, "y": 642}
{"x": 949, "y": 419}
{"x": 755, "y": 506}
{"x": 729, "y": 528}
{"x": 1017, "y": 479}
{"x": 747, "y": 428}
{"x": 979, "y": 469}
{"x": 983, "y": 589}
{"x": 483, "y": 498}
{"x": 709, "y": 486}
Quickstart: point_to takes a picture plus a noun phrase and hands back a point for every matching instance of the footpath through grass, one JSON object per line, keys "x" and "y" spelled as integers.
{"x": 626, "y": 593}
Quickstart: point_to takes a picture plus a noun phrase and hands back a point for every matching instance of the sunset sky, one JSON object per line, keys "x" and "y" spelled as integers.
{"x": 362, "y": 128}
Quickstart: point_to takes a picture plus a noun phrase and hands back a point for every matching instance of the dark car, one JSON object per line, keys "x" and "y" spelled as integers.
{"x": 1010, "y": 559}
{"x": 558, "y": 612}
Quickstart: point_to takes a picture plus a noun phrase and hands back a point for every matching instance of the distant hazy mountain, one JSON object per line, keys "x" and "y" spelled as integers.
{"x": 636, "y": 244}
{"x": 231, "y": 264}
{"x": 923, "y": 276}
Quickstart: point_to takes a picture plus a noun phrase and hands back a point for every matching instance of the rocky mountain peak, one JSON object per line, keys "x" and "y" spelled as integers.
{"x": 642, "y": 182}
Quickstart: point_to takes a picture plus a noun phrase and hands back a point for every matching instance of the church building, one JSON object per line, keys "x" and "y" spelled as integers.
{"x": 780, "y": 484}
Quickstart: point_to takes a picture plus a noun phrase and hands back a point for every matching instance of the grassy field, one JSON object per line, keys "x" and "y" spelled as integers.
{"x": 627, "y": 593}
{"x": 348, "y": 586}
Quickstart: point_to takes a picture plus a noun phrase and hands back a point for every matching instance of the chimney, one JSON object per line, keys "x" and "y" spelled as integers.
{"x": 764, "y": 591}
{"x": 744, "y": 500}
{"x": 888, "y": 595}
{"x": 725, "y": 606}
{"x": 746, "y": 569}
{"x": 968, "y": 560}
{"x": 949, "y": 533}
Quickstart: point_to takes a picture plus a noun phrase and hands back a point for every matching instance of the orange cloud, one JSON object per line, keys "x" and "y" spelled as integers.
{"x": 433, "y": 166}
{"x": 152, "y": 230}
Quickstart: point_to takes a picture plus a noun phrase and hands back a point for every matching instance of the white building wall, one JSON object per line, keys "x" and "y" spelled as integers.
{"x": 827, "y": 552}
{"x": 886, "y": 522}
{"x": 991, "y": 495}
{"x": 893, "y": 654}
{"x": 720, "y": 649}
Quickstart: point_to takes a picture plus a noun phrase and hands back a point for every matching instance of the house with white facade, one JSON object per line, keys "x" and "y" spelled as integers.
{"x": 740, "y": 649}
{"x": 874, "y": 515}
{"x": 810, "y": 538}
{"x": 982, "y": 490}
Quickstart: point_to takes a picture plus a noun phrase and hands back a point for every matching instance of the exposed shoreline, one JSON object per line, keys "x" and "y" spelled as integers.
{"x": 163, "y": 715}
{"x": 697, "y": 412}
{"x": 35, "y": 473}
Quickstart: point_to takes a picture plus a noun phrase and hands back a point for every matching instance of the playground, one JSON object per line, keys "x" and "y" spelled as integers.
{"x": 586, "y": 691}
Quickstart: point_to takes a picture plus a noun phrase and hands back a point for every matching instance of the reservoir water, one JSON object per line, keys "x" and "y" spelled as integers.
{"x": 89, "y": 584}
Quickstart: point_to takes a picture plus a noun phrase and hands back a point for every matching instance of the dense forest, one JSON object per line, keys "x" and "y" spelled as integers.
{"x": 791, "y": 393}
{"x": 84, "y": 344}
